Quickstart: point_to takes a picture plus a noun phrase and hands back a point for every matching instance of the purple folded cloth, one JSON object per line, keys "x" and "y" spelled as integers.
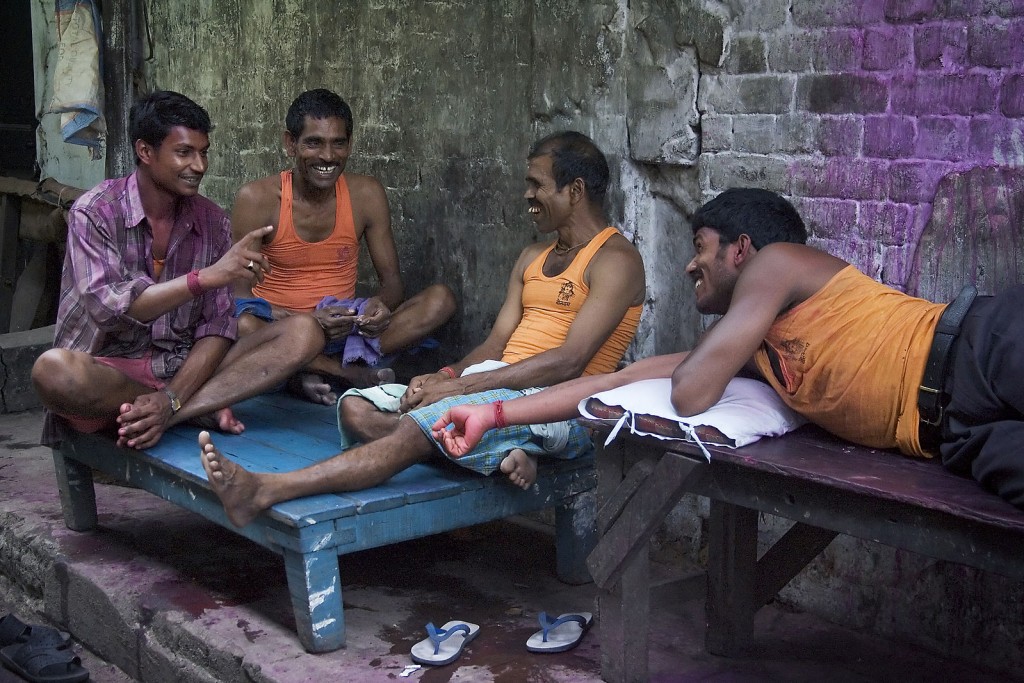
{"x": 354, "y": 347}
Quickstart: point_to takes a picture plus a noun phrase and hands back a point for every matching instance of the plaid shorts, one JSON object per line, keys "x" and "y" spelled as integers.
{"x": 496, "y": 444}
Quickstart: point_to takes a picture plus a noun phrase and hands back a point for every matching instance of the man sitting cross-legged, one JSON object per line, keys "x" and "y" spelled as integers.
{"x": 572, "y": 307}
{"x": 319, "y": 213}
{"x": 145, "y": 333}
{"x": 866, "y": 362}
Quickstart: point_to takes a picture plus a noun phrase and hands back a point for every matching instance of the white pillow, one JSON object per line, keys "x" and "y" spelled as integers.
{"x": 748, "y": 410}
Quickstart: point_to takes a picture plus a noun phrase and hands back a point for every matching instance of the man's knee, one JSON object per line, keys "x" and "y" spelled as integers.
{"x": 439, "y": 303}
{"x": 248, "y": 323}
{"x": 54, "y": 375}
{"x": 352, "y": 411}
{"x": 303, "y": 334}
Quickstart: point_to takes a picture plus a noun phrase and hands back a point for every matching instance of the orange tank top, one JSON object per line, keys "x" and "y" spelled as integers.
{"x": 550, "y": 305}
{"x": 852, "y": 357}
{"x": 302, "y": 273}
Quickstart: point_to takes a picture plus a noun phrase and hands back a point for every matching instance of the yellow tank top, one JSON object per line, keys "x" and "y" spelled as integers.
{"x": 302, "y": 273}
{"x": 851, "y": 358}
{"x": 550, "y": 305}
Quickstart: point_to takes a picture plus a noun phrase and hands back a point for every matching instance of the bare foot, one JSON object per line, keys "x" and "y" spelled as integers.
{"x": 520, "y": 467}
{"x": 313, "y": 388}
{"x": 222, "y": 420}
{"x": 361, "y": 376}
{"x": 227, "y": 422}
{"x": 235, "y": 486}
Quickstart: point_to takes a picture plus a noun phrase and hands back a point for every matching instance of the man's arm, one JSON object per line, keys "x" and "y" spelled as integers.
{"x": 777, "y": 278}
{"x": 372, "y": 202}
{"x": 117, "y": 299}
{"x": 616, "y": 280}
{"x": 556, "y": 403}
{"x": 254, "y": 209}
{"x": 144, "y": 423}
{"x": 230, "y": 269}
{"x": 438, "y": 385}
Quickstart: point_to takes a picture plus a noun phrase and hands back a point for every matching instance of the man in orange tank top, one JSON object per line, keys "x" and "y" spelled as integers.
{"x": 864, "y": 361}
{"x": 571, "y": 307}
{"x": 319, "y": 214}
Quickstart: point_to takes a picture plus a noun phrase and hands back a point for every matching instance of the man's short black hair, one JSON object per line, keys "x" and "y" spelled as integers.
{"x": 574, "y": 155}
{"x": 317, "y": 104}
{"x": 153, "y": 117}
{"x": 763, "y": 215}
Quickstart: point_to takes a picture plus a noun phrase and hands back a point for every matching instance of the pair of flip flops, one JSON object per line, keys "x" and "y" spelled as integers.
{"x": 444, "y": 645}
{"x": 39, "y": 654}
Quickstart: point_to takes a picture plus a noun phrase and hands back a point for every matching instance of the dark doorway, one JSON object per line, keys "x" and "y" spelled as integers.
{"x": 17, "y": 106}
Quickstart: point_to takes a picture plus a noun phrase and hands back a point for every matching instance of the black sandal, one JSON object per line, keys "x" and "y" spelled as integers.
{"x": 14, "y": 631}
{"x": 37, "y": 662}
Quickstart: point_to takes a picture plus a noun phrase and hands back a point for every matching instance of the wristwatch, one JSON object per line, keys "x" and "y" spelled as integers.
{"x": 175, "y": 401}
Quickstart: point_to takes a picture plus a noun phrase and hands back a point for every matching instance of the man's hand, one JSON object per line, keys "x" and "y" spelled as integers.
{"x": 469, "y": 424}
{"x": 243, "y": 261}
{"x": 427, "y": 389}
{"x": 142, "y": 423}
{"x": 338, "y": 321}
{"x": 375, "y": 318}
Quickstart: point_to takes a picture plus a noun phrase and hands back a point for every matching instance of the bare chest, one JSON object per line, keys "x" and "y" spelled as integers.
{"x": 316, "y": 222}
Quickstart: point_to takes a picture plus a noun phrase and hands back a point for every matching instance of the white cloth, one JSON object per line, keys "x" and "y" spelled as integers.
{"x": 388, "y": 397}
{"x": 77, "y": 85}
{"x": 747, "y": 411}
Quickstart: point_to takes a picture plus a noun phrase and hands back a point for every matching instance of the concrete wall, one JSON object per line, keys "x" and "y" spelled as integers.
{"x": 447, "y": 98}
{"x": 854, "y": 109}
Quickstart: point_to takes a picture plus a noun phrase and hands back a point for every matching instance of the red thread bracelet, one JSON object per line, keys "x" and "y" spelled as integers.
{"x": 194, "y": 286}
{"x": 447, "y": 371}
{"x": 499, "y": 415}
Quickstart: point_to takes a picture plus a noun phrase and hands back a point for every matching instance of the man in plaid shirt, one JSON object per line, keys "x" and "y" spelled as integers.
{"x": 146, "y": 336}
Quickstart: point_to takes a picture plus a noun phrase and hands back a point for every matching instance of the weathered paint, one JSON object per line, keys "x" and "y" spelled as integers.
{"x": 856, "y": 110}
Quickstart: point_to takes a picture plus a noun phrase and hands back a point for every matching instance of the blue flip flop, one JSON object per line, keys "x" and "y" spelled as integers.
{"x": 444, "y": 645}
{"x": 564, "y": 633}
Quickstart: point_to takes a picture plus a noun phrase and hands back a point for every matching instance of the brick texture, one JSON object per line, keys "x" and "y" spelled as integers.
{"x": 858, "y": 109}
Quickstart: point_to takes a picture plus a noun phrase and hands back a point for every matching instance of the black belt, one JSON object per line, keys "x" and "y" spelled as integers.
{"x": 931, "y": 396}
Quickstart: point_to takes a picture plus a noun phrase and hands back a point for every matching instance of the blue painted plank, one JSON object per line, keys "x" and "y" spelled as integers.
{"x": 472, "y": 507}
{"x": 181, "y": 453}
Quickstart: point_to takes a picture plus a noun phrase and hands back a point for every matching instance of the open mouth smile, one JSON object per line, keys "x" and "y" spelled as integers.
{"x": 325, "y": 169}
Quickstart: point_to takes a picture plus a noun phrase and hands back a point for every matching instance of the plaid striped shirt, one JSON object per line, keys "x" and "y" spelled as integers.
{"x": 109, "y": 263}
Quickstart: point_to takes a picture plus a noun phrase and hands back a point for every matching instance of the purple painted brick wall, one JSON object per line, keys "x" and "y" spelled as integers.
{"x": 860, "y": 108}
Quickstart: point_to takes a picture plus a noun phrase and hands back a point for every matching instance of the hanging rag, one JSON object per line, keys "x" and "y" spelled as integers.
{"x": 77, "y": 80}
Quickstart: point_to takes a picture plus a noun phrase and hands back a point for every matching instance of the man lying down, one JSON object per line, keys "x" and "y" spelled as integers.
{"x": 865, "y": 362}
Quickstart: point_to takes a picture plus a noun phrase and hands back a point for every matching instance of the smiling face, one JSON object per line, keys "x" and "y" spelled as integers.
{"x": 713, "y": 270}
{"x": 178, "y": 165}
{"x": 320, "y": 152}
{"x": 549, "y": 207}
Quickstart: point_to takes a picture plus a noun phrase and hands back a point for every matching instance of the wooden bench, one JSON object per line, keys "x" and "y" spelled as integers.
{"x": 283, "y": 433}
{"x": 827, "y": 486}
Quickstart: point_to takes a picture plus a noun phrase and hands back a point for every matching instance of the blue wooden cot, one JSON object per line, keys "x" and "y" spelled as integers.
{"x": 283, "y": 433}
